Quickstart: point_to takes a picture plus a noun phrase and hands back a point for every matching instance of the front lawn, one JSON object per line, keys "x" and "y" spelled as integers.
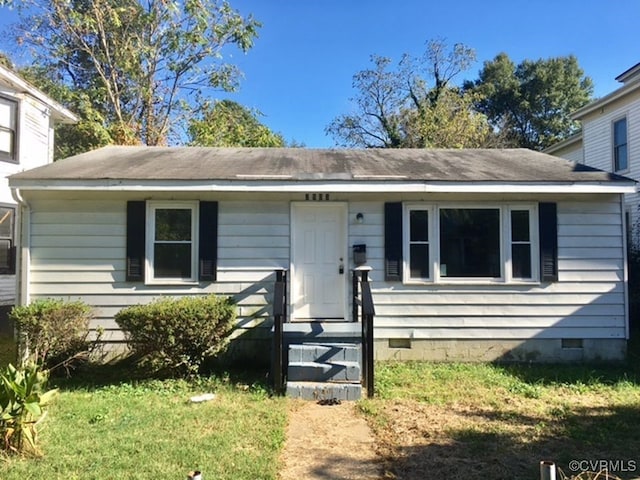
{"x": 477, "y": 421}
{"x": 149, "y": 429}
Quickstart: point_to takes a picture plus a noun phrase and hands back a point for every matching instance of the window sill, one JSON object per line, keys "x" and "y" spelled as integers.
{"x": 172, "y": 283}
{"x": 466, "y": 281}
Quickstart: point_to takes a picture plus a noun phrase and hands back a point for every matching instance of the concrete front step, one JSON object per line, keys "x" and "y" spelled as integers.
{"x": 324, "y": 352}
{"x": 324, "y": 391}
{"x": 333, "y": 371}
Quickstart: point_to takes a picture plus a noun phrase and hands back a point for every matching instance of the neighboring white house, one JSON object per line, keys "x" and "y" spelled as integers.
{"x": 474, "y": 254}
{"x": 610, "y": 138}
{"x": 27, "y": 118}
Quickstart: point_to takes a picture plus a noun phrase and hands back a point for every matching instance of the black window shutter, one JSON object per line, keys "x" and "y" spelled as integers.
{"x": 12, "y": 260}
{"x": 548, "y": 226}
{"x": 393, "y": 241}
{"x": 208, "y": 244}
{"x": 136, "y": 226}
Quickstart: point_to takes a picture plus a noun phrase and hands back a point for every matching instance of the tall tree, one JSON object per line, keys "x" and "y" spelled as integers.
{"x": 228, "y": 124}
{"x": 140, "y": 64}
{"x": 531, "y": 102}
{"x": 399, "y": 106}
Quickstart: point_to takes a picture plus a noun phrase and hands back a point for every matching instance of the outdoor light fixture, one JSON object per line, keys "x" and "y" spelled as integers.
{"x": 359, "y": 218}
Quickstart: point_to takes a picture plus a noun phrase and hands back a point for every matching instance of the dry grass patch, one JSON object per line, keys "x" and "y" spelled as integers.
{"x": 486, "y": 421}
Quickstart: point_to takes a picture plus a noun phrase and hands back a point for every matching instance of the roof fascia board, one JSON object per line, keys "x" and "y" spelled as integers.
{"x": 329, "y": 187}
{"x": 612, "y": 97}
{"x": 65, "y": 115}
{"x": 567, "y": 142}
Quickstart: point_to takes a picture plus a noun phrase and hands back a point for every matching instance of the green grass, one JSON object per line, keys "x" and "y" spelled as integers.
{"x": 149, "y": 429}
{"x": 500, "y": 421}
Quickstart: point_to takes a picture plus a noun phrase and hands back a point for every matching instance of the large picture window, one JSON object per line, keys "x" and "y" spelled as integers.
{"x": 470, "y": 242}
{"x": 466, "y": 243}
{"x": 172, "y": 244}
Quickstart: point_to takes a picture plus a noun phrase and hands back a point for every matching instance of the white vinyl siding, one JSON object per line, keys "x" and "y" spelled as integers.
{"x": 598, "y": 143}
{"x": 79, "y": 247}
{"x": 588, "y": 301}
{"x": 78, "y": 251}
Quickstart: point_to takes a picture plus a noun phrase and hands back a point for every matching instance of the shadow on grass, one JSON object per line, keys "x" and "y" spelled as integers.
{"x": 91, "y": 376}
{"x": 581, "y": 374}
{"x": 488, "y": 448}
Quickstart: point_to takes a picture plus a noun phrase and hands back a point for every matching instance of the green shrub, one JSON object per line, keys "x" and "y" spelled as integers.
{"x": 53, "y": 332}
{"x": 177, "y": 335}
{"x": 22, "y": 401}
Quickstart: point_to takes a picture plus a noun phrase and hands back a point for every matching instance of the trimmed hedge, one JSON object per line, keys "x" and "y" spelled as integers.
{"x": 53, "y": 332}
{"x": 177, "y": 335}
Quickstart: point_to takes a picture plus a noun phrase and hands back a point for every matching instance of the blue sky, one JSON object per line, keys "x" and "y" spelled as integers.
{"x": 299, "y": 72}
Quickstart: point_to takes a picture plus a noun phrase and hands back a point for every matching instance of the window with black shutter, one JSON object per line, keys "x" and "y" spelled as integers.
{"x": 171, "y": 242}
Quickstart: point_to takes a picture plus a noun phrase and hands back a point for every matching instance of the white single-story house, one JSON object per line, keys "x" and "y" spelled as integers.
{"x": 473, "y": 254}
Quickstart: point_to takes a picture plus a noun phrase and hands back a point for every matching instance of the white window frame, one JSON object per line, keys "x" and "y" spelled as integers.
{"x": 152, "y": 206}
{"x": 12, "y": 155}
{"x": 408, "y": 208}
{"x": 534, "y": 242}
{"x": 613, "y": 143}
{"x": 506, "y": 276}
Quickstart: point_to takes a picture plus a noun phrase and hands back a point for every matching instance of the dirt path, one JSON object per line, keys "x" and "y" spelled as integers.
{"x": 328, "y": 442}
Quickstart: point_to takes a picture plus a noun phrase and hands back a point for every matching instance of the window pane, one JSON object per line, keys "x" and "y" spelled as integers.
{"x": 470, "y": 242}
{"x": 521, "y": 260}
{"x": 5, "y": 254}
{"x": 520, "y": 226}
{"x": 620, "y": 132}
{"x": 6, "y": 222}
{"x": 173, "y": 224}
{"x": 172, "y": 260}
{"x": 621, "y": 157}
{"x": 6, "y": 141}
{"x": 419, "y": 261}
{"x": 419, "y": 225}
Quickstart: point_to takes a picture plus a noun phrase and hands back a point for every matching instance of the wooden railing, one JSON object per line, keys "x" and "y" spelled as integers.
{"x": 364, "y": 311}
{"x": 279, "y": 318}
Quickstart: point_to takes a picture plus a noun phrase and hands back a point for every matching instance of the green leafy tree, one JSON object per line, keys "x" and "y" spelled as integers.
{"x": 448, "y": 122}
{"x": 139, "y": 65}
{"x": 228, "y": 124}
{"x": 398, "y": 106}
{"x": 531, "y": 102}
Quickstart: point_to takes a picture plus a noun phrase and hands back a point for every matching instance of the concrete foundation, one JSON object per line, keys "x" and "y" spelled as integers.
{"x": 476, "y": 350}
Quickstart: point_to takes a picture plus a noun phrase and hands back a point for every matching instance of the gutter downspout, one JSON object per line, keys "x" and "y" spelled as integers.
{"x": 625, "y": 263}
{"x": 23, "y": 253}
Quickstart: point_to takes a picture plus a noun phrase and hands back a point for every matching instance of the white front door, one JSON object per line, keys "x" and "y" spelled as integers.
{"x": 318, "y": 261}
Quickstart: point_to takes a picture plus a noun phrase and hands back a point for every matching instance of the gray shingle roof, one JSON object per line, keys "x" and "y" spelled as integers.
{"x": 282, "y": 164}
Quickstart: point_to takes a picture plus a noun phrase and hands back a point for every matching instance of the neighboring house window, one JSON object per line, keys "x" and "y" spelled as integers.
{"x": 8, "y": 129}
{"x": 172, "y": 243}
{"x": 7, "y": 250}
{"x": 620, "y": 147}
{"x": 492, "y": 243}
